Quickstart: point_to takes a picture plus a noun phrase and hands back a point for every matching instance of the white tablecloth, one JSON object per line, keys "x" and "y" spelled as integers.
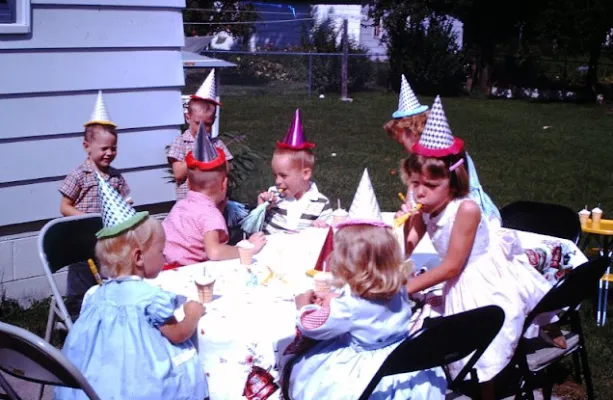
{"x": 248, "y": 324}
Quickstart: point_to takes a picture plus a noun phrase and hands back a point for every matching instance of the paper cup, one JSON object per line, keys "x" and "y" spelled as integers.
{"x": 205, "y": 290}
{"x": 322, "y": 282}
{"x": 596, "y": 215}
{"x": 245, "y": 255}
{"x": 583, "y": 217}
{"x": 337, "y": 219}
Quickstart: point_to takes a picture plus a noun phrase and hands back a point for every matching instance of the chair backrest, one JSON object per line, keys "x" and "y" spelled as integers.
{"x": 579, "y": 284}
{"x": 544, "y": 218}
{"x": 68, "y": 240}
{"x": 26, "y": 356}
{"x": 430, "y": 347}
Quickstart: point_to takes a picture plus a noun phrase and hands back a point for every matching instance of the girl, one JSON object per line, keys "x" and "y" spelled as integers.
{"x": 362, "y": 324}
{"x": 406, "y": 128}
{"x": 479, "y": 266}
{"x": 127, "y": 342}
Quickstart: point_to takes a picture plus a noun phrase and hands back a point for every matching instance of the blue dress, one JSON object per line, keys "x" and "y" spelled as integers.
{"x": 118, "y": 347}
{"x": 356, "y": 338}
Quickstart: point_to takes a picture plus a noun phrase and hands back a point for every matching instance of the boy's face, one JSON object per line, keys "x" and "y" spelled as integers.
{"x": 201, "y": 111}
{"x": 289, "y": 177}
{"x": 101, "y": 149}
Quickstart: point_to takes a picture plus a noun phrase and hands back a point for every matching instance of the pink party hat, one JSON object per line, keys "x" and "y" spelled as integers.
{"x": 208, "y": 89}
{"x": 436, "y": 139}
{"x": 294, "y": 138}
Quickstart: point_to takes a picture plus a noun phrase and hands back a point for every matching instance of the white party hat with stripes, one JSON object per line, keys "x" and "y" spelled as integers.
{"x": 208, "y": 89}
{"x": 436, "y": 140}
{"x": 100, "y": 115}
{"x": 117, "y": 214}
{"x": 365, "y": 205}
{"x": 408, "y": 104}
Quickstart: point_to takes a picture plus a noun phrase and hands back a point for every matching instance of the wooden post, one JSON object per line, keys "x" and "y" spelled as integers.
{"x": 345, "y": 57}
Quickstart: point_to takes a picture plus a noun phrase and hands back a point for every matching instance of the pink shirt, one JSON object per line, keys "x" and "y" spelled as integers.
{"x": 186, "y": 225}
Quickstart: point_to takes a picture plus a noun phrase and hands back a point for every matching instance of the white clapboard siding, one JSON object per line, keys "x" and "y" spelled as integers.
{"x": 89, "y": 70}
{"x": 52, "y": 114}
{"x": 120, "y": 3}
{"x": 41, "y": 201}
{"x": 58, "y": 156}
{"x": 93, "y": 27}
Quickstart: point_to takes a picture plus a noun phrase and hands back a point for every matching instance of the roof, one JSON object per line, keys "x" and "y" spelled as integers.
{"x": 193, "y": 60}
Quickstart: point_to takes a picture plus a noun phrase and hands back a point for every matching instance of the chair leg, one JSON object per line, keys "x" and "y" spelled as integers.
{"x": 587, "y": 373}
{"x": 50, "y": 321}
{"x": 548, "y": 387}
{"x": 8, "y": 389}
{"x": 577, "y": 367}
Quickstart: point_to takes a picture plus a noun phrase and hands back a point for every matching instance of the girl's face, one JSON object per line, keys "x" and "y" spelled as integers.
{"x": 433, "y": 193}
{"x": 153, "y": 256}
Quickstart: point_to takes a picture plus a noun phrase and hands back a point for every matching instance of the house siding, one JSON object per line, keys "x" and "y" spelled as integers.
{"x": 48, "y": 88}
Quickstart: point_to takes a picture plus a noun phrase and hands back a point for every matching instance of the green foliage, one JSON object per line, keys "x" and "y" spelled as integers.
{"x": 219, "y": 13}
{"x": 427, "y": 53}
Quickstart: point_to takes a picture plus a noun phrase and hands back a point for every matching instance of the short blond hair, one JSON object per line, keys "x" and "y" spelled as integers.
{"x": 202, "y": 180}
{"x": 370, "y": 261}
{"x": 113, "y": 254}
{"x": 92, "y": 130}
{"x": 299, "y": 158}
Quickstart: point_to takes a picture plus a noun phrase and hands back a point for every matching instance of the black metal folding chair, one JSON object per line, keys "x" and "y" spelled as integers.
{"x": 62, "y": 242}
{"x": 544, "y": 218}
{"x": 28, "y": 357}
{"x": 535, "y": 355}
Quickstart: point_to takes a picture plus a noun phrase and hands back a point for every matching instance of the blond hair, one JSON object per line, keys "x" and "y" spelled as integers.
{"x": 202, "y": 180}
{"x": 409, "y": 127}
{"x": 369, "y": 260}
{"x": 298, "y": 158}
{"x": 92, "y": 130}
{"x": 113, "y": 253}
{"x": 195, "y": 104}
{"x": 438, "y": 168}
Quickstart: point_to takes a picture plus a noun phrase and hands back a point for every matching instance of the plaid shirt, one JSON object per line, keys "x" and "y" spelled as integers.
{"x": 180, "y": 146}
{"x": 315, "y": 206}
{"x": 81, "y": 186}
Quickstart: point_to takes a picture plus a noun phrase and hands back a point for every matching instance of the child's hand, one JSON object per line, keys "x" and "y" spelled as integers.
{"x": 404, "y": 209}
{"x": 194, "y": 309}
{"x": 266, "y": 196}
{"x": 129, "y": 200}
{"x": 258, "y": 239}
{"x": 320, "y": 223}
{"x": 304, "y": 299}
{"x": 323, "y": 298}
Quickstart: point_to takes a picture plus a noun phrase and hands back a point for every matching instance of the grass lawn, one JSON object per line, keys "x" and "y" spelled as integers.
{"x": 516, "y": 158}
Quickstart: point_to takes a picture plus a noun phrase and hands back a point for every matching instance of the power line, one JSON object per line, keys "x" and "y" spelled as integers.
{"x": 212, "y": 10}
{"x": 249, "y": 23}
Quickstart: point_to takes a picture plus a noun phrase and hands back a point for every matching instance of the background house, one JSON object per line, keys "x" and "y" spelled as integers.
{"x": 55, "y": 55}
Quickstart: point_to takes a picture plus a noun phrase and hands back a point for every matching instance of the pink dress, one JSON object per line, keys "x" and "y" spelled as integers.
{"x": 494, "y": 274}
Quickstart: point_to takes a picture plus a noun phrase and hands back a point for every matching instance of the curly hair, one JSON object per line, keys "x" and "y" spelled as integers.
{"x": 369, "y": 260}
{"x": 408, "y": 127}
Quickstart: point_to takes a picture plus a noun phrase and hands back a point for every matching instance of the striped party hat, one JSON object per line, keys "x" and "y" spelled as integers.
{"x": 365, "y": 205}
{"x": 436, "y": 140}
{"x": 208, "y": 89}
{"x": 408, "y": 104}
{"x": 100, "y": 115}
{"x": 117, "y": 215}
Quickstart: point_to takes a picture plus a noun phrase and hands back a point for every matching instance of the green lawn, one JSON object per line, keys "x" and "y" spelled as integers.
{"x": 569, "y": 163}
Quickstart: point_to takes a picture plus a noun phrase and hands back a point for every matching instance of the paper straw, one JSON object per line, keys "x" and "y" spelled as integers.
{"x": 338, "y": 202}
{"x": 94, "y": 270}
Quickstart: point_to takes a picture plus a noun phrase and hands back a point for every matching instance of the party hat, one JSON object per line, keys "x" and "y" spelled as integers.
{"x": 436, "y": 140}
{"x": 117, "y": 214}
{"x": 365, "y": 205}
{"x": 100, "y": 115}
{"x": 208, "y": 89}
{"x": 326, "y": 249}
{"x": 294, "y": 138}
{"x": 205, "y": 156}
{"x": 407, "y": 101}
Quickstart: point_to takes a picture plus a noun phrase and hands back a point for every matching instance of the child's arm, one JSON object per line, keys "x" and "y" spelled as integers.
{"x": 414, "y": 230}
{"x": 215, "y": 250}
{"x": 178, "y": 332}
{"x": 461, "y": 243}
{"x": 67, "y": 207}
{"x": 179, "y": 170}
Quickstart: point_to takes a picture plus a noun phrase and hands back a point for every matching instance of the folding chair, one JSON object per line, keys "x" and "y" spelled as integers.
{"x": 61, "y": 242}
{"x": 535, "y": 355}
{"x": 544, "y": 218}
{"x": 28, "y": 357}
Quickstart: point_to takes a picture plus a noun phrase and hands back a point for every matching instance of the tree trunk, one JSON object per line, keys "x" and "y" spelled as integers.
{"x": 591, "y": 79}
{"x": 486, "y": 66}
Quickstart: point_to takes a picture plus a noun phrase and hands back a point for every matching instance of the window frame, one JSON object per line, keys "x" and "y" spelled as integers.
{"x": 21, "y": 10}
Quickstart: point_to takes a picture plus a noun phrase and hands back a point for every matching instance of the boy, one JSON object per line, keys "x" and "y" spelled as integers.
{"x": 80, "y": 191}
{"x": 295, "y": 200}
{"x": 195, "y": 228}
{"x": 200, "y": 109}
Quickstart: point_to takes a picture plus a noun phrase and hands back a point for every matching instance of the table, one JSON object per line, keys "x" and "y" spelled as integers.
{"x": 247, "y": 326}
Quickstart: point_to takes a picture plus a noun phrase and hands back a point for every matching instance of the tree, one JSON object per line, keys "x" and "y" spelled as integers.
{"x": 235, "y": 17}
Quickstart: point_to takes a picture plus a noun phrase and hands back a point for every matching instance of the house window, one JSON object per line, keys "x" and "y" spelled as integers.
{"x": 14, "y": 16}
{"x": 376, "y": 33}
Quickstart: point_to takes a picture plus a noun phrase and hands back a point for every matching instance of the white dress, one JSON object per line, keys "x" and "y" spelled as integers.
{"x": 356, "y": 338}
{"x": 494, "y": 274}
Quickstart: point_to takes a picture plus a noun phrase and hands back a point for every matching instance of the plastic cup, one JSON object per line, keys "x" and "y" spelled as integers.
{"x": 205, "y": 289}
{"x": 596, "y": 216}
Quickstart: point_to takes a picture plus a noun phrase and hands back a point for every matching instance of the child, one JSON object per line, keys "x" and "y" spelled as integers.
{"x": 127, "y": 343}
{"x": 296, "y": 203}
{"x": 79, "y": 191}
{"x": 362, "y": 324}
{"x": 195, "y": 227}
{"x": 479, "y": 266}
{"x": 200, "y": 109}
{"x": 406, "y": 128}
